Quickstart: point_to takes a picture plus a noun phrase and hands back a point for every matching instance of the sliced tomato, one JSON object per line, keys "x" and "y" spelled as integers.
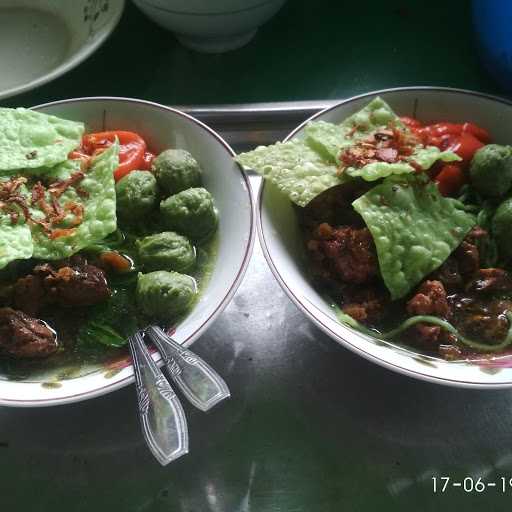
{"x": 465, "y": 146}
{"x": 480, "y": 133}
{"x": 434, "y": 132}
{"x": 410, "y": 122}
{"x": 132, "y": 149}
{"x": 147, "y": 161}
{"x": 450, "y": 179}
{"x": 431, "y": 141}
{"x": 440, "y": 129}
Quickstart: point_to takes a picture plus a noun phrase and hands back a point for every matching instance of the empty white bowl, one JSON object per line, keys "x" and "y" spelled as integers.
{"x": 43, "y": 39}
{"x": 282, "y": 242}
{"x": 161, "y": 127}
{"x": 211, "y": 27}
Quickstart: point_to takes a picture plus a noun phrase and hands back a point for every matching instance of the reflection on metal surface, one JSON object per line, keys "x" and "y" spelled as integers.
{"x": 400, "y": 485}
{"x": 505, "y": 461}
{"x": 248, "y": 125}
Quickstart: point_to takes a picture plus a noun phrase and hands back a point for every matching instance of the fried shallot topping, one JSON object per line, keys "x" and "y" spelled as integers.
{"x": 59, "y": 187}
{"x": 12, "y": 202}
{"x": 388, "y": 145}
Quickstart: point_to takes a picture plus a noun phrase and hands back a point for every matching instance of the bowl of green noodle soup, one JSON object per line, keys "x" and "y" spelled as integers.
{"x": 115, "y": 214}
{"x": 386, "y": 220}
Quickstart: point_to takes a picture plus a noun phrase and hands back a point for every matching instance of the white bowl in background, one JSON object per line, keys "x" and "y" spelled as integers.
{"x": 162, "y": 127}
{"x": 282, "y": 243}
{"x": 41, "y": 40}
{"x": 211, "y": 27}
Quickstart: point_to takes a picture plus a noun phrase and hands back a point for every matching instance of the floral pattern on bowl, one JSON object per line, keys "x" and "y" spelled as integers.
{"x": 47, "y": 38}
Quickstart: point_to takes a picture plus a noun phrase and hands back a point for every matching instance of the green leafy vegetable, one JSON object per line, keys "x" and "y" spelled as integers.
{"x": 414, "y": 228}
{"x": 99, "y": 218}
{"x": 93, "y": 333}
{"x": 112, "y": 321}
{"x": 29, "y": 139}
{"x": 296, "y": 169}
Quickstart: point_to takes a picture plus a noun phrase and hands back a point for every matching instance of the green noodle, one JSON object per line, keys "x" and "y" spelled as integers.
{"x": 433, "y": 320}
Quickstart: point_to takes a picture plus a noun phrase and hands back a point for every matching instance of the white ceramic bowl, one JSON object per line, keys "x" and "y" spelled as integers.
{"x": 282, "y": 244}
{"x": 41, "y": 40}
{"x": 211, "y": 27}
{"x": 162, "y": 127}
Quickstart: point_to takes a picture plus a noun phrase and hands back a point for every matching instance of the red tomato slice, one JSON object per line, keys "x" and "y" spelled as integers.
{"x": 480, "y": 133}
{"x": 465, "y": 146}
{"x": 147, "y": 161}
{"x": 432, "y": 133}
{"x": 132, "y": 148}
{"x": 440, "y": 129}
{"x": 410, "y": 122}
{"x": 450, "y": 179}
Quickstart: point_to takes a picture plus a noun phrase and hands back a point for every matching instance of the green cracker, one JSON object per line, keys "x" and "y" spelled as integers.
{"x": 30, "y": 139}
{"x": 15, "y": 240}
{"x": 99, "y": 208}
{"x": 414, "y": 228}
{"x": 296, "y": 169}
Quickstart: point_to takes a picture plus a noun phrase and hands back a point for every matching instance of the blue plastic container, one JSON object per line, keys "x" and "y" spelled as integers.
{"x": 492, "y": 21}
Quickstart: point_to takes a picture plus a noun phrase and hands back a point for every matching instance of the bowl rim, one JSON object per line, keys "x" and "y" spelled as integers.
{"x": 258, "y": 4}
{"x": 72, "y": 61}
{"x": 307, "y": 311}
{"x": 235, "y": 283}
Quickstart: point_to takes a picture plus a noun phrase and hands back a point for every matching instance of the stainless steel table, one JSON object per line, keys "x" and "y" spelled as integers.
{"x": 310, "y": 427}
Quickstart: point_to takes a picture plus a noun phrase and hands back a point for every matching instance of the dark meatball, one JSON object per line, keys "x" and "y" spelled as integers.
{"x": 430, "y": 299}
{"x": 348, "y": 254}
{"x": 70, "y": 283}
{"x": 29, "y": 294}
{"x": 83, "y": 285}
{"x": 22, "y": 336}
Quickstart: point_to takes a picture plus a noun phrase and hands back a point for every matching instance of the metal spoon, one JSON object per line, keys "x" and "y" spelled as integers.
{"x": 162, "y": 417}
{"x": 198, "y": 381}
